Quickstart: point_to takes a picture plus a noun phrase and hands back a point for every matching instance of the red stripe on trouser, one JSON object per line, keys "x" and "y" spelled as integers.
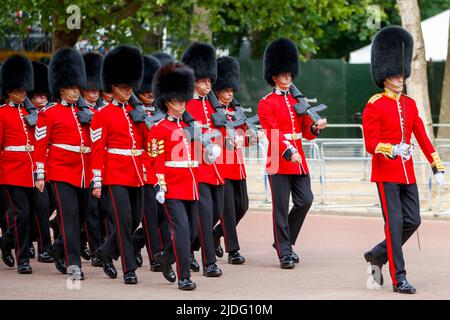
{"x": 41, "y": 244}
{"x": 118, "y": 232}
{"x": 15, "y": 225}
{"x": 61, "y": 224}
{"x": 87, "y": 237}
{"x": 8, "y": 223}
{"x": 274, "y": 221}
{"x": 173, "y": 241}
{"x": 201, "y": 239}
{"x": 149, "y": 247}
{"x": 388, "y": 233}
{"x": 225, "y": 240}
{"x": 106, "y": 228}
{"x": 160, "y": 238}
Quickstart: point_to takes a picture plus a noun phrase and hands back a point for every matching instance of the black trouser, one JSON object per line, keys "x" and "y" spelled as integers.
{"x": 287, "y": 224}
{"x": 5, "y": 211}
{"x": 401, "y": 213}
{"x": 91, "y": 227}
{"x": 21, "y": 200}
{"x": 155, "y": 232}
{"x": 126, "y": 204}
{"x": 210, "y": 210}
{"x": 235, "y": 207}
{"x": 181, "y": 215}
{"x": 72, "y": 203}
{"x": 40, "y": 219}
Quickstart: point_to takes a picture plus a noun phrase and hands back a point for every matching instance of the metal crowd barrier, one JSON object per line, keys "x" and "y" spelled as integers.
{"x": 336, "y": 164}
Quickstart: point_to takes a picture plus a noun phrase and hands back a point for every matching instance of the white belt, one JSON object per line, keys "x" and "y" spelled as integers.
{"x": 68, "y": 147}
{"x": 125, "y": 152}
{"x": 293, "y": 136}
{"x": 181, "y": 164}
{"x": 27, "y": 148}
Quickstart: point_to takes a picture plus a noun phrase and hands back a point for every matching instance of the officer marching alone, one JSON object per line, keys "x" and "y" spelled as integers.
{"x": 389, "y": 120}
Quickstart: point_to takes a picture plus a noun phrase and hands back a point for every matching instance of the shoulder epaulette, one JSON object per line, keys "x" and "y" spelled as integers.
{"x": 264, "y": 98}
{"x": 48, "y": 106}
{"x": 1, "y": 106}
{"x": 375, "y": 97}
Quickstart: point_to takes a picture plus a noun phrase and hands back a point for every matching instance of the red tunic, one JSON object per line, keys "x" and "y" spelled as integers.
{"x": 16, "y": 167}
{"x": 382, "y": 129}
{"x": 231, "y": 161}
{"x": 112, "y": 129}
{"x": 167, "y": 142}
{"x": 201, "y": 111}
{"x": 278, "y": 119}
{"x": 58, "y": 125}
{"x": 150, "y": 177}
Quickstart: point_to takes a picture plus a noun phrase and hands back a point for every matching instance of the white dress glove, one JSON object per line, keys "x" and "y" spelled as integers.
{"x": 403, "y": 150}
{"x": 161, "y": 197}
{"x": 440, "y": 178}
{"x": 212, "y": 152}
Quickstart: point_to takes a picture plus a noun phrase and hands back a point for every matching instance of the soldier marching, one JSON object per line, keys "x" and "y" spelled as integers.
{"x": 133, "y": 150}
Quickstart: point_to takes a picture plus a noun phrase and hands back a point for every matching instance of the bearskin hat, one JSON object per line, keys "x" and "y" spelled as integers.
{"x": 94, "y": 63}
{"x": 173, "y": 81}
{"x": 201, "y": 57}
{"x": 228, "y": 72}
{"x": 66, "y": 69}
{"x": 16, "y": 73}
{"x": 280, "y": 56}
{"x": 164, "y": 58}
{"x": 123, "y": 65}
{"x": 151, "y": 65}
{"x": 391, "y": 54}
{"x": 40, "y": 72}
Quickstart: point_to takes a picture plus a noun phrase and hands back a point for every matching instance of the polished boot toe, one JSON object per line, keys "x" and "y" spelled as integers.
{"x": 295, "y": 257}
{"x": 404, "y": 287}
{"x": 130, "y": 278}
{"x": 235, "y": 258}
{"x": 286, "y": 262}
{"x": 219, "y": 249}
{"x": 139, "y": 260}
{"x": 7, "y": 256}
{"x": 60, "y": 262}
{"x": 108, "y": 266}
{"x": 186, "y": 284}
{"x": 96, "y": 261}
{"x": 193, "y": 264}
{"x": 85, "y": 253}
{"x": 31, "y": 252}
{"x": 45, "y": 257}
{"x": 212, "y": 270}
{"x": 24, "y": 268}
{"x": 167, "y": 271}
{"x": 155, "y": 266}
{"x": 376, "y": 267}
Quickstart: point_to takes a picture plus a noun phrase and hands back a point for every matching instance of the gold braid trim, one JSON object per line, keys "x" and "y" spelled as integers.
{"x": 437, "y": 163}
{"x": 386, "y": 149}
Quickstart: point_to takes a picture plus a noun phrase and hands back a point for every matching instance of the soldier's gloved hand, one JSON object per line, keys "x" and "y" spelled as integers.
{"x": 212, "y": 151}
{"x": 440, "y": 178}
{"x": 402, "y": 150}
{"x": 160, "y": 197}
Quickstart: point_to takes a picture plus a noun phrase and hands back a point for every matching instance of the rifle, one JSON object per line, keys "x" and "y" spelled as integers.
{"x": 303, "y": 107}
{"x": 250, "y": 123}
{"x": 219, "y": 118}
{"x": 84, "y": 114}
{"x": 194, "y": 131}
{"x": 138, "y": 115}
{"x": 31, "y": 117}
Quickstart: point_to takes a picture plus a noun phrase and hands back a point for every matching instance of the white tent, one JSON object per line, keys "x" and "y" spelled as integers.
{"x": 435, "y": 35}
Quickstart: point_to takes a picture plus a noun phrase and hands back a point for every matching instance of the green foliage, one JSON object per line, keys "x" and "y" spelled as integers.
{"x": 321, "y": 28}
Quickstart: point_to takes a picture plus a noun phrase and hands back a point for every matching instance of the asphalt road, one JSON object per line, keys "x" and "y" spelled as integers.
{"x": 332, "y": 267}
